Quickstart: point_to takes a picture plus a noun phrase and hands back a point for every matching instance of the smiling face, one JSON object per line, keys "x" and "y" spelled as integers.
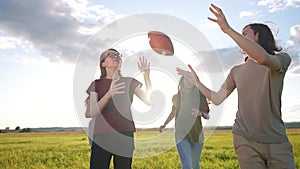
{"x": 249, "y": 33}
{"x": 110, "y": 61}
{"x": 187, "y": 84}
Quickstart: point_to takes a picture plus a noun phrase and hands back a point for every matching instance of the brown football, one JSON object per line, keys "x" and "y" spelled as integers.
{"x": 160, "y": 43}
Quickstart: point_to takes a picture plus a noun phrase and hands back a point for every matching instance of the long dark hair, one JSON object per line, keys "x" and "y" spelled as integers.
{"x": 102, "y": 58}
{"x": 265, "y": 37}
{"x": 177, "y": 97}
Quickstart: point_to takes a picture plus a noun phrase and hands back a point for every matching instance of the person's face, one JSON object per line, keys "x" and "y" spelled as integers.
{"x": 187, "y": 84}
{"x": 249, "y": 33}
{"x": 112, "y": 59}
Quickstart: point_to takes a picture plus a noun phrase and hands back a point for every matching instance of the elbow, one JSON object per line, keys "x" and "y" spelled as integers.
{"x": 87, "y": 113}
{"x": 262, "y": 60}
{"x": 217, "y": 101}
{"x": 218, "y": 98}
{"x": 148, "y": 103}
{"x": 92, "y": 113}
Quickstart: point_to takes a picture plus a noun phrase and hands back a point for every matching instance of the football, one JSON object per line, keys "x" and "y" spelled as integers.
{"x": 161, "y": 43}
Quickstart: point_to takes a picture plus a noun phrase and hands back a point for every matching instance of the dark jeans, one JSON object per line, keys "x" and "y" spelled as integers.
{"x": 106, "y": 146}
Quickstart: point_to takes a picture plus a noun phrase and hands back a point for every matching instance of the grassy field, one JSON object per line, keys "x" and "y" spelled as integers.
{"x": 71, "y": 150}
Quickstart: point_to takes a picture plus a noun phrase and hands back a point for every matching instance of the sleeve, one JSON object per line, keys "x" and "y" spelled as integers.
{"x": 229, "y": 83}
{"x": 91, "y": 88}
{"x": 203, "y": 103}
{"x": 134, "y": 84}
{"x": 174, "y": 103}
{"x": 174, "y": 99}
{"x": 285, "y": 61}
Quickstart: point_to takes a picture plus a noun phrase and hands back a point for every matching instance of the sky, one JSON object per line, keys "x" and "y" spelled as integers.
{"x": 49, "y": 50}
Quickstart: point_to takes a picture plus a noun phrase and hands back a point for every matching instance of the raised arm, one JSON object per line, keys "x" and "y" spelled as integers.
{"x": 143, "y": 96}
{"x": 144, "y": 67}
{"x": 249, "y": 46}
{"x": 216, "y": 97}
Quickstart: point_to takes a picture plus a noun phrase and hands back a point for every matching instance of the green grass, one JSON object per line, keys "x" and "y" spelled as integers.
{"x": 44, "y": 150}
{"x": 71, "y": 150}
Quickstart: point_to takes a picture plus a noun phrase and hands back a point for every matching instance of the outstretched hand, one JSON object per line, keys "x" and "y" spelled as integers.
{"x": 144, "y": 65}
{"x": 116, "y": 88}
{"x": 197, "y": 112}
{"x": 220, "y": 18}
{"x": 191, "y": 76}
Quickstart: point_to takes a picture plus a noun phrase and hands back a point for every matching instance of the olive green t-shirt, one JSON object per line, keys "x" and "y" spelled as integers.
{"x": 188, "y": 126}
{"x": 259, "y": 90}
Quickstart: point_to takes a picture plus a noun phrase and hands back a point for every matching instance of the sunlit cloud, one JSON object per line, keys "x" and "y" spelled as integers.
{"x": 7, "y": 42}
{"x": 294, "y": 108}
{"x": 249, "y": 14}
{"x": 293, "y": 48}
{"x": 295, "y": 34}
{"x": 294, "y": 71}
{"x": 57, "y": 30}
{"x": 276, "y": 5}
{"x": 13, "y": 43}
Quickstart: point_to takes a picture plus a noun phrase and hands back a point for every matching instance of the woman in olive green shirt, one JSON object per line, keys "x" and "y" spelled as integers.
{"x": 189, "y": 105}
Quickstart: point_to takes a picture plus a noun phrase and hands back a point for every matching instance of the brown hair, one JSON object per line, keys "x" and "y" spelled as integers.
{"x": 176, "y": 99}
{"x": 102, "y": 58}
{"x": 265, "y": 37}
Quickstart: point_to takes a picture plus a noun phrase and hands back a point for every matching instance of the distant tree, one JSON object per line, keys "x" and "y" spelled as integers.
{"x": 17, "y": 128}
{"x": 26, "y": 130}
{"x": 6, "y": 130}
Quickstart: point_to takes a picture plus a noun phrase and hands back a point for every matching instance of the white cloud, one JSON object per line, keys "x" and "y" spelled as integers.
{"x": 293, "y": 48}
{"x": 94, "y": 17}
{"x": 248, "y": 14}
{"x": 12, "y": 43}
{"x": 295, "y": 34}
{"x": 88, "y": 15}
{"x": 7, "y": 42}
{"x": 56, "y": 29}
{"x": 295, "y": 70}
{"x": 276, "y": 5}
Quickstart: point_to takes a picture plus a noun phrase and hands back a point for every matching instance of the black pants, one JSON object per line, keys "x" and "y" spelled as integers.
{"x": 106, "y": 146}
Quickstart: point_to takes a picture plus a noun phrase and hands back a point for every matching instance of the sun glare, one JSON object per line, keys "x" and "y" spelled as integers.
{"x": 164, "y": 87}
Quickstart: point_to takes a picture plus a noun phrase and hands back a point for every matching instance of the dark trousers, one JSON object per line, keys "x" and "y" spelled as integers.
{"x": 100, "y": 158}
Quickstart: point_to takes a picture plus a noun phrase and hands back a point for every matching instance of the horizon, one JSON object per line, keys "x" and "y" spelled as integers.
{"x": 286, "y": 123}
{"x": 50, "y": 56}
